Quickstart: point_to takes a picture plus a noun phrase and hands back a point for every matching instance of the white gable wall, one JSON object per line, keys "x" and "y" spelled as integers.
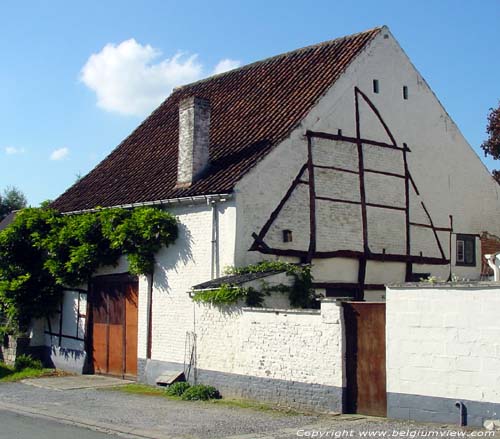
{"x": 449, "y": 175}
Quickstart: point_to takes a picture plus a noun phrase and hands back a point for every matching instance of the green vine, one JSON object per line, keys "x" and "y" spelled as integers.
{"x": 43, "y": 251}
{"x": 301, "y": 294}
{"x": 228, "y": 294}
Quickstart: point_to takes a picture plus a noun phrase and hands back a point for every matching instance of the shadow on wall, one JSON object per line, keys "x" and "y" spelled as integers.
{"x": 179, "y": 253}
{"x": 70, "y": 360}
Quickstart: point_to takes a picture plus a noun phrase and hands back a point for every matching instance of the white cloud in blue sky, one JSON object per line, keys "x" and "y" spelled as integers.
{"x": 11, "y": 150}
{"x": 131, "y": 79}
{"x": 225, "y": 65}
{"x": 59, "y": 153}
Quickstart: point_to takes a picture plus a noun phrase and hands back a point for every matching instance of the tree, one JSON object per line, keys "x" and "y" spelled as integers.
{"x": 491, "y": 146}
{"x": 12, "y": 199}
{"x": 43, "y": 251}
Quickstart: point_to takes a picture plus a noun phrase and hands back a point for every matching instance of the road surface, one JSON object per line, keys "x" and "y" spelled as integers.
{"x": 16, "y": 426}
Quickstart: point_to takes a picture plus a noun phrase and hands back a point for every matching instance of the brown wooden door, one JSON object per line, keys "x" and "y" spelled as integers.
{"x": 114, "y": 325}
{"x": 365, "y": 358}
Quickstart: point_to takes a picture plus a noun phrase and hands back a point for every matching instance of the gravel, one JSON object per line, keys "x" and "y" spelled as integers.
{"x": 158, "y": 417}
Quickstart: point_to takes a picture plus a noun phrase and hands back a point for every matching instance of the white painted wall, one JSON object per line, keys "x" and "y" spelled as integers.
{"x": 444, "y": 341}
{"x": 449, "y": 175}
{"x": 185, "y": 263}
{"x": 297, "y": 345}
{"x": 74, "y": 303}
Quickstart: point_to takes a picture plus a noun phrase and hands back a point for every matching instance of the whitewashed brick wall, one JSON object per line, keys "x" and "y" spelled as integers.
{"x": 296, "y": 345}
{"x": 185, "y": 263}
{"x": 444, "y": 341}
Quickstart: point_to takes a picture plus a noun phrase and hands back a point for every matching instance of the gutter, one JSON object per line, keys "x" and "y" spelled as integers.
{"x": 167, "y": 202}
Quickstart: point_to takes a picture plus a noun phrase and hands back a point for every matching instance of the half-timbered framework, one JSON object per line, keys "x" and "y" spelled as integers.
{"x": 351, "y": 158}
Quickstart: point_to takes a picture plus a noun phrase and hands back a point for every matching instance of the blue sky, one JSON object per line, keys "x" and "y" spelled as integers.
{"x": 62, "y": 110}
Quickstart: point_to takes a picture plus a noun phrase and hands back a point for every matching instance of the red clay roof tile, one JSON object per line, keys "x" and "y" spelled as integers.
{"x": 253, "y": 108}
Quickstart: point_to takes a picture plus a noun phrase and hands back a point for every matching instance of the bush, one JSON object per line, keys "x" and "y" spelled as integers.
{"x": 177, "y": 389}
{"x": 200, "y": 392}
{"x": 27, "y": 362}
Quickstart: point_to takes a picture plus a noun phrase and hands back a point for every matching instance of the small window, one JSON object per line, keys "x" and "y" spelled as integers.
{"x": 405, "y": 92}
{"x": 375, "y": 86}
{"x": 466, "y": 250}
{"x": 287, "y": 236}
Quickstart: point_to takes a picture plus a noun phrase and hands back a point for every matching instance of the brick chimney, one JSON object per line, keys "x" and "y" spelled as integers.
{"x": 194, "y": 139}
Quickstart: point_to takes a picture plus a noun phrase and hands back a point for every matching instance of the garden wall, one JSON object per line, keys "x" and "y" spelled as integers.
{"x": 443, "y": 348}
{"x": 289, "y": 357}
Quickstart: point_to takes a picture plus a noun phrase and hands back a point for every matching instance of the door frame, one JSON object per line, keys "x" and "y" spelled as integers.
{"x": 351, "y": 328}
{"x": 124, "y": 278}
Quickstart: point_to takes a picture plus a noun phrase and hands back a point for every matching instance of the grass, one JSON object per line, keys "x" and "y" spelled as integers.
{"x": 144, "y": 389}
{"x": 8, "y": 374}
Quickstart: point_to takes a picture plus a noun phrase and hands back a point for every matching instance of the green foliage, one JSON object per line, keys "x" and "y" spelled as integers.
{"x": 177, "y": 389}
{"x": 42, "y": 251}
{"x": 26, "y": 362}
{"x": 12, "y": 199}
{"x": 27, "y": 288}
{"x": 224, "y": 295}
{"x": 491, "y": 146}
{"x": 200, "y": 392}
{"x": 9, "y": 374}
{"x": 228, "y": 294}
{"x": 264, "y": 267}
{"x": 254, "y": 297}
{"x": 301, "y": 293}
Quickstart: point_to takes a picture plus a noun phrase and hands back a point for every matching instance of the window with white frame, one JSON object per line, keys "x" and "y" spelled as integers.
{"x": 466, "y": 250}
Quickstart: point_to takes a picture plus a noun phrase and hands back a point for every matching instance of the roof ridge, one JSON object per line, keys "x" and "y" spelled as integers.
{"x": 274, "y": 57}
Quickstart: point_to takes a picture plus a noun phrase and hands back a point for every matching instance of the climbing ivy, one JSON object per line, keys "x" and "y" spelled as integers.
{"x": 43, "y": 251}
{"x": 301, "y": 294}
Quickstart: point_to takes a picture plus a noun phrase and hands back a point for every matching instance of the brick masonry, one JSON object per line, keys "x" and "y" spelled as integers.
{"x": 194, "y": 139}
{"x": 273, "y": 355}
{"x": 283, "y": 392}
{"x": 434, "y": 409}
{"x": 489, "y": 244}
{"x": 443, "y": 346}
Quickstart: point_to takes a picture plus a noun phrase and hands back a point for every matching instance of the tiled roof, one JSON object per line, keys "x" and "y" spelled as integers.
{"x": 252, "y": 109}
{"x": 8, "y": 220}
{"x": 235, "y": 279}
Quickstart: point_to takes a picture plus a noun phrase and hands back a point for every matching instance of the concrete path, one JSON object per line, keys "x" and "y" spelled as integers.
{"x": 137, "y": 416}
{"x": 74, "y": 382}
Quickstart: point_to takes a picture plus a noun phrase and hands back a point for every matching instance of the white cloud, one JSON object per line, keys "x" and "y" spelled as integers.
{"x": 226, "y": 64}
{"x": 59, "y": 154}
{"x": 11, "y": 150}
{"x": 132, "y": 79}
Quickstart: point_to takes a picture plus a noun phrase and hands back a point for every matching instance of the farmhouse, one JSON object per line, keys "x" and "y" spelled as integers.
{"x": 338, "y": 155}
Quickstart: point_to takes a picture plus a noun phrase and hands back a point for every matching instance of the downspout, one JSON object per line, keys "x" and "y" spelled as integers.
{"x": 214, "y": 270}
{"x": 150, "y": 315}
{"x": 462, "y": 413}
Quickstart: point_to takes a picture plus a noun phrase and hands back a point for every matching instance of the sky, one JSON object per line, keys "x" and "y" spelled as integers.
{"x": 77, "y": 77}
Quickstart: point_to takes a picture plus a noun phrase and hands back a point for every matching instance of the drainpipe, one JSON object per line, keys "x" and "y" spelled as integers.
{"x": 214, "y": 271}
{"x": 150, "y": 315}
{"x": 463, "y": 413}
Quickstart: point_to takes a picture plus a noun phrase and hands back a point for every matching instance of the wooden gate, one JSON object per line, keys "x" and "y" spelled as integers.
{"x": 114, "y": 325}
{"x": 365, "y": 358}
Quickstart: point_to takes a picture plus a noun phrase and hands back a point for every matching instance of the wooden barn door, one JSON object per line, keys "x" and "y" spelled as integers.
{"x": 114, "y": 325}
{"x": 365, "y": 358}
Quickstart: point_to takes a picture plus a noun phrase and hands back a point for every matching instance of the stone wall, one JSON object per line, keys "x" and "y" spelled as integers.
{"x": 11, "y": 347}
{"x": 290, "y": 357}
{"x": 443, "y": 347}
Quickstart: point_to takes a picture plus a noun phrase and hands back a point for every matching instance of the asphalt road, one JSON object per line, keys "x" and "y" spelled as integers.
{"x": 15, "y": 426}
